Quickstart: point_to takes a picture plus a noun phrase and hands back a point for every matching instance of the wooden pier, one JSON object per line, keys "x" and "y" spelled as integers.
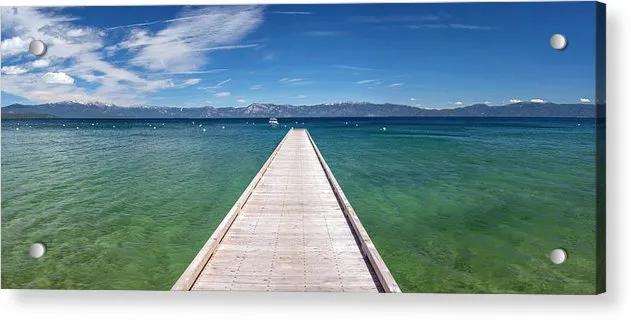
{"x": 292, "y": 229}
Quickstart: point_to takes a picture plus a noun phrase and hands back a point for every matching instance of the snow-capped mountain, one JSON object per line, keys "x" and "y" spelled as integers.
{"x": 82, "y": 109}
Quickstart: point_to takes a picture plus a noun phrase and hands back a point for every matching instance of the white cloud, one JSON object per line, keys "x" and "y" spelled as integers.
{"x": 41, "y": 63}
{"x": 221, "y": 83}
{"x": 76, "y": 32}
{"x": 375, "y": 81}
{"x": 191, "y": 82}
{"x": 241, "y": 100}
{"x": 15, "y": 45}
{"x": 179, "y": 46}
{"x": 458, "y": 103}
{"x": 290, "y": 80}
{"x": 81, "y": 51}
{"x": 13, "y": 70}
{"x": 537, "y": 100}
{"x": 58, "y": 78}
{"x": 91, "y": 78}
{"x": 195, "y": 72}
{"x": 222, "y": 94}
{"x": 514, "y": 101}
{"x": 585, "y": 100}
{"x": 269, "y": 56}
{"x": 412, "y": 99}
{"x": 256, "y": 87}
{"x": 396, "y": 85}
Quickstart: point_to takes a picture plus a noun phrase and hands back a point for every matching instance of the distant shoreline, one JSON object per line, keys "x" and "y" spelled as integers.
{"x": 27, "y": 117}
{"x": 257, "y": 110}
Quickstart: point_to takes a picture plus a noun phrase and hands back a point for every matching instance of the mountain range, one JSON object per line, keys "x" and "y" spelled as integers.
{"x": 78, "y": 109}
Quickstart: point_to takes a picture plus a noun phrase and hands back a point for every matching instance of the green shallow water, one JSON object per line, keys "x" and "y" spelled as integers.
{"x": 453, "y": 205}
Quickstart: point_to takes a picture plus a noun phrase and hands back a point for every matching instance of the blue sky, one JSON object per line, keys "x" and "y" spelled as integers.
{"x": 433, "y": 55}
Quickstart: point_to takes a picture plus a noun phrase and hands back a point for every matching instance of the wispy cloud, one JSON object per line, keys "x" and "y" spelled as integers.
{"x": 290, "y": 80}
{"x": 242, "y": 100}
{"x": 300, "y": 96}
{"x": 179, "y": 46}
{"x": 256, "y": 87}
{"x": 219, "y": 84}
{"x": 232, "y": 47}
{"x": 195, "y": 72}
{"x": 585, "y": 100}
{"x": 13, "y": 70}
{"x": 369, "y": 81}
{"x": 269, "y": 56}
{"x": 470, "y": 27}
{"x": 41, "y": 63}
{"x": 354, "y": 68}
{"x": 127, "y": 26}
{"x": 190, "y": 82}
{"x": 412, "y": 99}
{"x": 293, "y": 81}
{"x": 293, "y": 13}
{"x": 78, "y": 49}
{"x": 399, "y": 84}
{"x": 222, "y": 94}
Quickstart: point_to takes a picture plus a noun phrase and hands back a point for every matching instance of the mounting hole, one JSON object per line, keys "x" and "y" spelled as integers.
{"x": 37, "y": 47}
{"x": 37, "y": 250}
{"x": 558, "y": 41}
{"x": 558, "y": 256}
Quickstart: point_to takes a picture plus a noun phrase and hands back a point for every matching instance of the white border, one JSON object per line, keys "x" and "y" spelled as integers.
{"x": 51, "y": 305}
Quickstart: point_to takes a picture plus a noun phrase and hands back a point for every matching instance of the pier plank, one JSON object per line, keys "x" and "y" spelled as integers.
{"x": 289, "y": 231}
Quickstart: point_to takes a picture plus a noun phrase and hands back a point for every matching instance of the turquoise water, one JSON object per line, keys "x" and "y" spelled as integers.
{"x": 453, "y": 205}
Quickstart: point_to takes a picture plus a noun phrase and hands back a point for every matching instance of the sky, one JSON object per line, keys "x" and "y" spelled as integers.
{"x": 432, "y": 55}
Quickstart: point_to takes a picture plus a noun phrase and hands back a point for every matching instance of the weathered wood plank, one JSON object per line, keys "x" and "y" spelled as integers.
{"x": 289, "y": 231}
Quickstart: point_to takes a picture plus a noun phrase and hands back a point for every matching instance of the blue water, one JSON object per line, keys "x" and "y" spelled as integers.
{"x": 452, "y": 204}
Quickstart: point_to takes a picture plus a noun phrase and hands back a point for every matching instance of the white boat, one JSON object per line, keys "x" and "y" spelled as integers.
{"x": 273, "y": 122}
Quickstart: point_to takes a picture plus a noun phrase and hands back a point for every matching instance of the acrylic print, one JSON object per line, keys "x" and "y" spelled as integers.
{"x": 433, "y": 148}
